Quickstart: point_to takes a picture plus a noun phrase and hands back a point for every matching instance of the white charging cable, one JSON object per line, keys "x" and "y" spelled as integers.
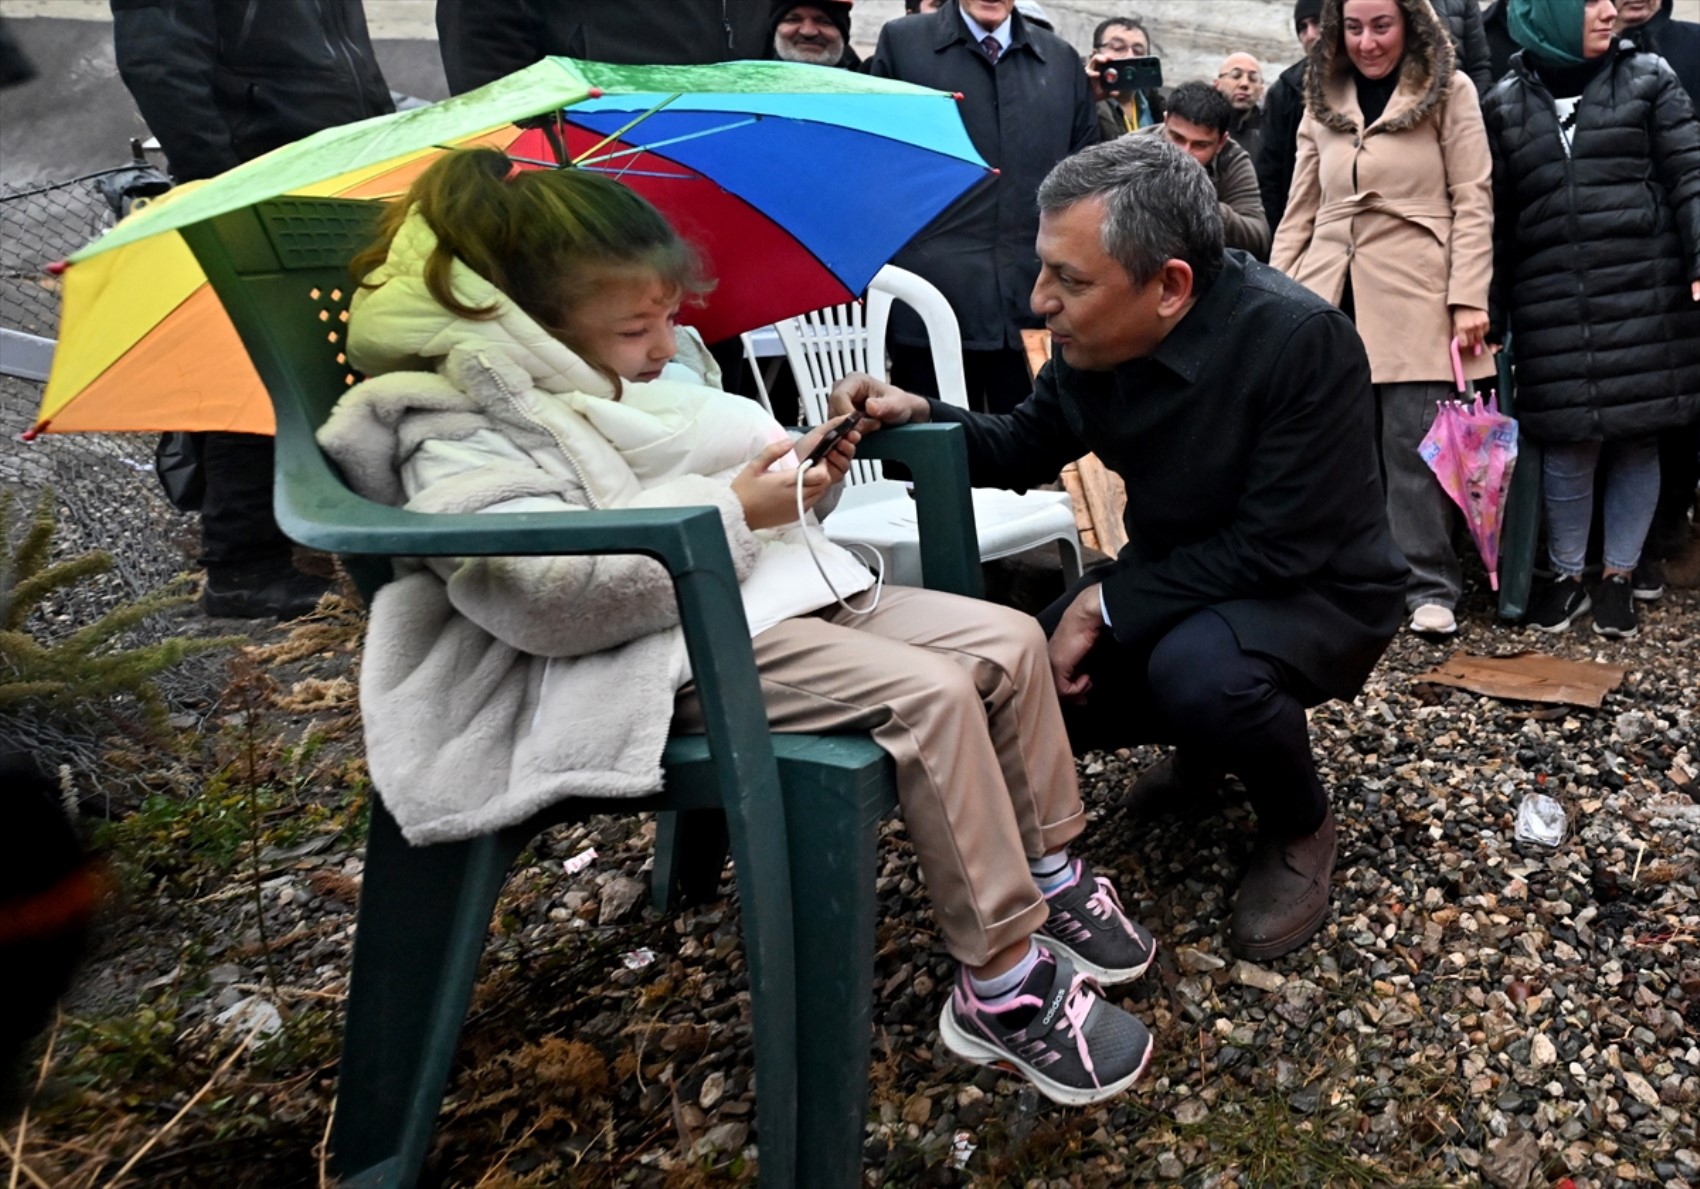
{"x": 879, "y": 560}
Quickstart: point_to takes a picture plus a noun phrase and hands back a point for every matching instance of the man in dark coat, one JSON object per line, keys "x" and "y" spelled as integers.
{"x": 812, "y": 32}
{"x": 482, "y": 40}
{"x": 1259, "y": 577}
{"x": 1652, "y": 24}
{"x": 1026, "y": 105}
{"x": 1282, "y": 111}
{"x": 220, "y": 82}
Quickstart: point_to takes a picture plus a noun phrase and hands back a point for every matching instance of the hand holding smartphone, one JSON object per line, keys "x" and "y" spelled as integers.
{"x": 1124, "y": 76}
{"x": 846, "y": 425}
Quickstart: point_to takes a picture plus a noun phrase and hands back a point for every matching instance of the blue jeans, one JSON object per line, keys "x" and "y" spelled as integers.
{"x": 1632, "y": 493}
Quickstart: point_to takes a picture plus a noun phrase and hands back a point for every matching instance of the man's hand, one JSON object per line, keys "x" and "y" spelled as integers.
{"x": 878, "y": 402}
{"x": 1095, "y": 76}
{"x": 1074, "y": 638}
{"x": 836, "y": 461}
{"x": 770, "y": 497}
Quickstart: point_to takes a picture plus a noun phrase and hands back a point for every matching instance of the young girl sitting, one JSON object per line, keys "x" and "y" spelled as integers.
{"x": 515, "y": 326}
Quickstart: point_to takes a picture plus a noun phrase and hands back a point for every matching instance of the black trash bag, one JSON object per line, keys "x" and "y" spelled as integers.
{"x": 179, "y": 462}
{"x": 122, "y": 188}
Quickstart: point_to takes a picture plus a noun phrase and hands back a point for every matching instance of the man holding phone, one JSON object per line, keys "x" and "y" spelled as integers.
{"x": 1130, "y": 99}
{"x": 1260, "y": 577}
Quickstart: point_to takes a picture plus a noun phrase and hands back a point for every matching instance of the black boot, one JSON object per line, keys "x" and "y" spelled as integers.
{"x": 261, "y": 590}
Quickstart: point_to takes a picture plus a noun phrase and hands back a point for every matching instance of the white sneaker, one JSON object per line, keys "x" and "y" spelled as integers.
{"x": 1431, "y": 619}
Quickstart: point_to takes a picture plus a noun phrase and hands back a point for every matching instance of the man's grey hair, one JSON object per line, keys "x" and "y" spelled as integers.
{"x": 1159, "y": 204}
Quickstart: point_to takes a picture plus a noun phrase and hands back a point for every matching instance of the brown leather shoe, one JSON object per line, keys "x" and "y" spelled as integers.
{"x": 1682, "y": 568}
{"x": 1283, "y": 898}
{"x": 1162, "y": 790}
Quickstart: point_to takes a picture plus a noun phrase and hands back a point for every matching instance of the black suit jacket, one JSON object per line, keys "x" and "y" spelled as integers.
{"x": 1024, "y": 115}
{"x": 1247, "y": 443}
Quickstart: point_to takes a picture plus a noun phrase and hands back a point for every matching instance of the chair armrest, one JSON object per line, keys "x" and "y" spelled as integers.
{"x": 937, "y": 456}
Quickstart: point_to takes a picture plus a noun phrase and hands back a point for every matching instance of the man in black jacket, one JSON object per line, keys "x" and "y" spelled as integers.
{"x": 1653, "y": 23}
{"x": 1259, "y": 577}
{"x": 1026, "y": 105}
{"x": 482, "y": 40}
{"x": 814, "y": 33}
{"x": 1282, "y": 111}
{"x": 219, "y": 82}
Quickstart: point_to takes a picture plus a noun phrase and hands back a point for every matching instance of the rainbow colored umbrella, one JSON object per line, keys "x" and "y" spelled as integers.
{"x": 797, "y": 183}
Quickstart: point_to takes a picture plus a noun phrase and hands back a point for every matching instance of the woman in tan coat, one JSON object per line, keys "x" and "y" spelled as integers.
{"x": 1390, "y": 216}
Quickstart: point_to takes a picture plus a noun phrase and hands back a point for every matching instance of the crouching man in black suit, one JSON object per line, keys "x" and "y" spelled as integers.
{"x": 1259, "y": 576}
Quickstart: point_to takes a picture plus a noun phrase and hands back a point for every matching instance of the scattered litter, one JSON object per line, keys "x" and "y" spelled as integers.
{"x": 1529, "y": 677}
{"x": 255, "y": 1014}
{"x": 1540, "y": 819}
{"x": 638, "y": 959}
{"x": 1248, "y": 975}
{"x": 961, "y": 1148}
{"x": 580, "y": 861}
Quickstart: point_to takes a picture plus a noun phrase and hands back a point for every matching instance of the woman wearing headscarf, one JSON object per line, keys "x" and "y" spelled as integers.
{"x": 1597, "y": 271}
{"x": 1390, "y": 216}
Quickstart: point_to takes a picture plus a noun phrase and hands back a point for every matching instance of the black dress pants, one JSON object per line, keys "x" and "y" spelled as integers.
{"x": 238, "y": 530}
{"x": 1223, "y": 708}
{"x": 997, "y": 381}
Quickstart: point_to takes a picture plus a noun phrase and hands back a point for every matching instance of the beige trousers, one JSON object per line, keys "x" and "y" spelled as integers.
{"x": 959, "y": 693}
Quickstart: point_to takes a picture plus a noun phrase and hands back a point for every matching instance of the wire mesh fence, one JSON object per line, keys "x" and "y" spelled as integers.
{"x": 104, "y": 484}
{"x": 105, "y": 493}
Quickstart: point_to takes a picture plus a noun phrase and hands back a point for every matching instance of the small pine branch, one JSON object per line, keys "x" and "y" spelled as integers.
{"x": 87, "y": 670}
{"x": 29, "y": 589}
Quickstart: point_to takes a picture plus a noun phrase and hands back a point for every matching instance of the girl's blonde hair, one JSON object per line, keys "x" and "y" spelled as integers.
{"x": 541, "y": 236}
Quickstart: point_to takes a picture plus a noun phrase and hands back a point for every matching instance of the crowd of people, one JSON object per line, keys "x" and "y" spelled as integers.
{"x": 1250, "y": 296}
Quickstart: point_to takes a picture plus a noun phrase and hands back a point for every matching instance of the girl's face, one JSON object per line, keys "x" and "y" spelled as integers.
{"x": 1375, "y": 35}
{"x": 1599, "y": 27}
{"x": 627, "y": 323}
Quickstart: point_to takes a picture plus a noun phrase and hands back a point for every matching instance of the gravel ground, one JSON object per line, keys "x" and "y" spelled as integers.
{"x": 1477, "y": 1009}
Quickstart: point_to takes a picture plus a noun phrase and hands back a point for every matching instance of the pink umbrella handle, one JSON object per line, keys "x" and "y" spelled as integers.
{"x": 1458, "y": 367}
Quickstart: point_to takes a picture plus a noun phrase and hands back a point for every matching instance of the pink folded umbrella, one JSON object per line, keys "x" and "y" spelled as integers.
{"x": 1472, "y": 450}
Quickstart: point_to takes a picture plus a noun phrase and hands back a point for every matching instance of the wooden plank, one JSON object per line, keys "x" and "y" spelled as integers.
{"x": 1082, "y": 515}
{"x": 1106, "y": 497}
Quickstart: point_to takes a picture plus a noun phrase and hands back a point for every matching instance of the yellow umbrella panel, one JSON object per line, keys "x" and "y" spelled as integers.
{"x": 145, "y": 345}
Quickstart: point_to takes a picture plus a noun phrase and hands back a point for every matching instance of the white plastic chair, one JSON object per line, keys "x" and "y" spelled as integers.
{"x": 825, "y": 346}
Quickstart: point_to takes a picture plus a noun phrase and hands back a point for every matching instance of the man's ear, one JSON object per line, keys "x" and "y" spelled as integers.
{"x": 1176, "y": 277}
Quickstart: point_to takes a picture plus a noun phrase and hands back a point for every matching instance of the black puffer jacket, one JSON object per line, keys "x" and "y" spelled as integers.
{"x": 1595, "y": 250}
{"x": 221, "y": 81}
{"x": 1463, "y": 20}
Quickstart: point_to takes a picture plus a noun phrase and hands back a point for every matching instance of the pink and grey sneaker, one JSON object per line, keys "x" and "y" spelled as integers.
{"x": 1059, "y": 1033}
{"x": 1088, "y": 925}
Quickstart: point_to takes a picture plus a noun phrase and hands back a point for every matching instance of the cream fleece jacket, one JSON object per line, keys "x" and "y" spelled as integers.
{"x": 492, "y": 687}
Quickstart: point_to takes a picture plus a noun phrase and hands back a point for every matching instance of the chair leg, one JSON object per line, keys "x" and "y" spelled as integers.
{"x": 832, "y": 819}
{"x": 424, "y": 914}
{"x": 691, "y": 846}
{"x": 1068, "y": 548}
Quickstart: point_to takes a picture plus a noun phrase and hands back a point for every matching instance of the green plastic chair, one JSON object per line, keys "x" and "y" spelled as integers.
{"x": 799, "y": 810}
